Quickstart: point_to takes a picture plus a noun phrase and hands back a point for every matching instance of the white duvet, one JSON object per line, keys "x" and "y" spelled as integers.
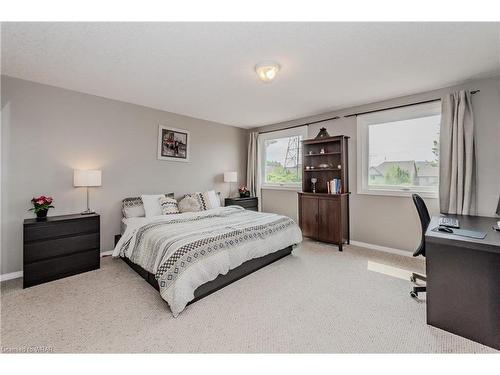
{"x": 187, "y": 250}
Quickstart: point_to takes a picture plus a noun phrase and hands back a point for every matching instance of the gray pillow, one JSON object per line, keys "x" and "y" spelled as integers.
{"x": 189, "y": 204}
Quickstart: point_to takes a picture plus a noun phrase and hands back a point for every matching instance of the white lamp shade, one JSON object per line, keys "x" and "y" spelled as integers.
{"x": 230, "y": 176}
{"x": 86, "y": 178}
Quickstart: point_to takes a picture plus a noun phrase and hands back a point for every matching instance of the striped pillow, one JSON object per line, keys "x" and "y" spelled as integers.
{"x": 168, "y": 206}
{"x": 206, "y": 200}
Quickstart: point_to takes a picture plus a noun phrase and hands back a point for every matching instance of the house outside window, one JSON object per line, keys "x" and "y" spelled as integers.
{"x": 398, "y": 151}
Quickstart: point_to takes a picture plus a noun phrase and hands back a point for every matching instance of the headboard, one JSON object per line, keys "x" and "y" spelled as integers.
{"x": 133, "y": 207}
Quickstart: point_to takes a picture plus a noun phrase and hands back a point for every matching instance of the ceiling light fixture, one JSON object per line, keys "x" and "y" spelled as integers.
{"x": 267, "y": 71}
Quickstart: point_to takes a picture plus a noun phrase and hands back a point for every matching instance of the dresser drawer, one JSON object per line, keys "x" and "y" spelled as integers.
{"x": 57, "y": 268}
{"x": 39, "y": 250}
{"x": 63, "y": 228}
{"x": 246, "y": 204}
{"x": 250, "y": 203}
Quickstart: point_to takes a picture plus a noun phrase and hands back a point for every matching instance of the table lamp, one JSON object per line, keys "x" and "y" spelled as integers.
{"x": 87, "y": 178}
{"x": 230, "y": 177}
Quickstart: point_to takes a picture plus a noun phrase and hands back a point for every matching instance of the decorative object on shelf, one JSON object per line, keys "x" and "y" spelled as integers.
{"x": 41, "y": 206}
{"x": 173, "y": 144}
{"x": 323, "y": 165}
{"x": 87, "y": 178}
{"x": 322, "y": 133}
{"x": 310, "y": 152}
{"x": 339, "y": 166}
{"x": 244, "y": 192}
{"x": 230, "y": 177}
{"x": 322, "y": 151}
{"x": 334, "y": 186}
{"x": 308, "y": 167}
{"x": 313, "y": 181}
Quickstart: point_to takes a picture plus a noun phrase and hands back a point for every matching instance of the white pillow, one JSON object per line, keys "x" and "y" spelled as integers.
{"x": 152, "y": 206}
{"x": 213, "y": 198}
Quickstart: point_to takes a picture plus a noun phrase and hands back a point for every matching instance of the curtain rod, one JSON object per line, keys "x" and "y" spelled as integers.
{"x": 298, "y": 126}
{"x": 401, "y": 106}
{"x": 357, "y": 114}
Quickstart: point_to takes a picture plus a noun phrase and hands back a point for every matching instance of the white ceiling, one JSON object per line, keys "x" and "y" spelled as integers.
{"x": 205, "y": 70}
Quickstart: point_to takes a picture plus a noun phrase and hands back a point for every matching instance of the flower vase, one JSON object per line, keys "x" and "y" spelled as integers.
{"x": 41, "y": 215}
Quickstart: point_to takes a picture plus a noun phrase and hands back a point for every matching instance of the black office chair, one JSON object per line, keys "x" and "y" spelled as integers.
{"x": 425, "y": 219}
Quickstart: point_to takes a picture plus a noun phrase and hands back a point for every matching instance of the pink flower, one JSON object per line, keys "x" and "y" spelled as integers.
{"x": 40, "y": 202}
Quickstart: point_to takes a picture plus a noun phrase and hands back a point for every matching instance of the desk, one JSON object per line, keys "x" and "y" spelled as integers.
{"x": 463, "y": 280}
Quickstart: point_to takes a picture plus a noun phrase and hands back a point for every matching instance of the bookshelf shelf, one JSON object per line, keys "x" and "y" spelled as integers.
{"x": 326, "y": 153}
{"x": 322, "y": 169}
{"x": 323, "y": 215}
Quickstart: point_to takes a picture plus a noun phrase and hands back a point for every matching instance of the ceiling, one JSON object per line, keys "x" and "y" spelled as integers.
{"x": 206, "y": 70}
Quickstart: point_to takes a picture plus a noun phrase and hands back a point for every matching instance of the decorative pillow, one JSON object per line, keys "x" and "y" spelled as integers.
{"x": 206, "y": 200}
{"x": 152, "y": 204}
{"x": 133, "y": 207}
{"x": 168, "y": 206}
{"x": 189, "y": 204}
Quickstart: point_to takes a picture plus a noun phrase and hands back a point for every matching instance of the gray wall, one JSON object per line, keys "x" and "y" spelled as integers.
{"x": 47, "y": 132}
{"x": 392, "y": 221}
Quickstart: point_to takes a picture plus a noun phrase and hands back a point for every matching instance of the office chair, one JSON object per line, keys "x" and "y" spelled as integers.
{"x": 425, "y": 219}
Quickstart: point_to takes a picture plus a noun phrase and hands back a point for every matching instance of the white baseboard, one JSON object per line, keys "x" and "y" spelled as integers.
{"x": 382, "y": 248}
{"x": 106, "y": 253}
{"x": 10, "y": 276}
{"x": 15, "y": 275}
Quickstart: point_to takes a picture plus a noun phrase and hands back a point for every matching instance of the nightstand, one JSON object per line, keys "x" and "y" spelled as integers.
{"x": 250, "y": 203}
{"x": 60, "y": 246}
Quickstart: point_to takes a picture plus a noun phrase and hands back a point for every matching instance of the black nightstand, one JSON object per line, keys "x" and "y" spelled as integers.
{"x": 250, "y": 203}
{"x": 60, "y": 246}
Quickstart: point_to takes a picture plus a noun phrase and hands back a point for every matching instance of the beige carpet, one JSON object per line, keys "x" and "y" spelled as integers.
{"x": 317, "y": 300}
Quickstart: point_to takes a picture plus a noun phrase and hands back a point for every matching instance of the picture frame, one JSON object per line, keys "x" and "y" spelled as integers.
{"x": 173, "y": 144}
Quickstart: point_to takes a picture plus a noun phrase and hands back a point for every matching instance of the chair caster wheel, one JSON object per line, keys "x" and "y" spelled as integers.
{"x": 413, "y": 279}
{"x": 413, "y": 294}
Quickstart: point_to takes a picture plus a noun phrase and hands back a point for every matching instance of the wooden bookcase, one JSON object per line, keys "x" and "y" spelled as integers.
{"x": 324, "y": 216}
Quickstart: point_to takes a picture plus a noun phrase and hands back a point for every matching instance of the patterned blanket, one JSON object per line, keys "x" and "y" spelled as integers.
{"x": 186, "y": 250}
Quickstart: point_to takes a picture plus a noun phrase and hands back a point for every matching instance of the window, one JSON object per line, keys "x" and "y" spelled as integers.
{"x": 281, "y": 158}
{"x": 398, "y": 151}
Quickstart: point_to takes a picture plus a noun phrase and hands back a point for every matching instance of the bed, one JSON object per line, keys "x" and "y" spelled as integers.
{"x": 190, "y": 255}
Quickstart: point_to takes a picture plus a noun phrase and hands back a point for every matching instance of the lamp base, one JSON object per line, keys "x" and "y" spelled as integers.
{"x": 88, "y": 211}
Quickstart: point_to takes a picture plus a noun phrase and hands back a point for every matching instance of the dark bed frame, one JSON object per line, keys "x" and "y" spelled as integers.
{"x": 220, "y": 281}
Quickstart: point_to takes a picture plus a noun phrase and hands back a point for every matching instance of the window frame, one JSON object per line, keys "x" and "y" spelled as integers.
{"x": 285, "y": 133}
{"x": 390, "y": 115}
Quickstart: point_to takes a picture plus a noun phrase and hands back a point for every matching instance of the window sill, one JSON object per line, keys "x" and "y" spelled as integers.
{"x": 399, "y": 193}
{"x": 277, "y": 187}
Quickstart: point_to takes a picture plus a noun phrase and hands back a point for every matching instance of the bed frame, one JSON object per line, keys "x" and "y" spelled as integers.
{"x": 220, "y": 281}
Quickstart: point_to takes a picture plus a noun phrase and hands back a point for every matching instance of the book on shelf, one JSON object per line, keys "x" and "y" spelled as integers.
{"x": 334, "y": 186}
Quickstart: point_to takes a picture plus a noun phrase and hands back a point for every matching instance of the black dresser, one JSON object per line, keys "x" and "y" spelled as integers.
{"x": 60, "y": 246}
{"x": 250, "y": 203}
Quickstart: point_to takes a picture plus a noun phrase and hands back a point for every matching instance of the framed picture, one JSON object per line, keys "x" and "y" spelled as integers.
{"x": 173, "y": 144}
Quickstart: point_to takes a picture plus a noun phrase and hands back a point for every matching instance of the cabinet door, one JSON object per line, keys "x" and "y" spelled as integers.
{"x": 309, "y": 216}
{"x": 329, "y": 220}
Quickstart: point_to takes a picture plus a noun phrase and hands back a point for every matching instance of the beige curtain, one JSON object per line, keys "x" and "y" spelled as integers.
{"x": 457, "y": 161}
{"x": 253, "y": 170}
